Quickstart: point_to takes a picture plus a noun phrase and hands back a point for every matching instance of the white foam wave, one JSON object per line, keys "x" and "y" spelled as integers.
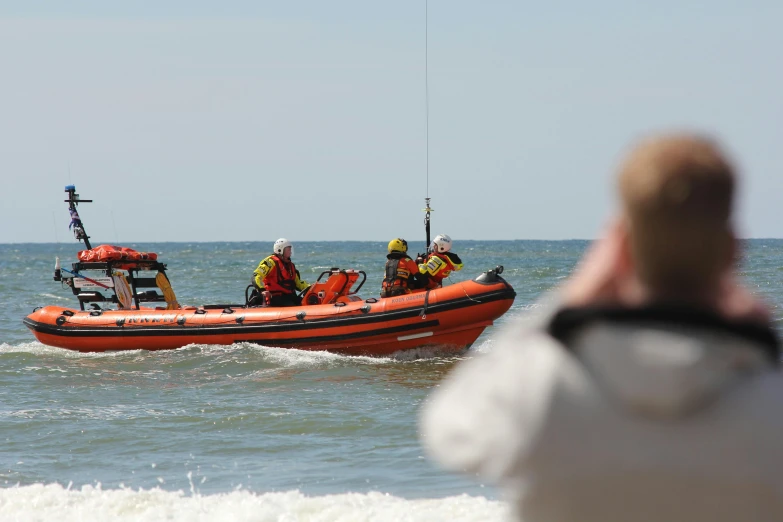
{"x": 40, "y": 502}
{"x": 426, "y": 352}
{"x": 36, "y": 348}
{"x": 32, "y": 347}
{"x": 484, "y": 347}
{"x": 57, "y": 297}
{"x": 292, "y": 357}
{"x": 288, "y": 357}
{"x": 528, "y": 306}
{"x": 283, "y": 357}
{"x": 295, "y": 358}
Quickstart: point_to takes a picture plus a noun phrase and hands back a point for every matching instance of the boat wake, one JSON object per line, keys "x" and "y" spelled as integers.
{"x": 286, "y": 357}
{"x": 36, "y": 348}
{"x": 293, "y": 357}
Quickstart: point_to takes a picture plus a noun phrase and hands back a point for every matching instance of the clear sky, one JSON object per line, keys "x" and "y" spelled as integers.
{"x": 232, "y": 121}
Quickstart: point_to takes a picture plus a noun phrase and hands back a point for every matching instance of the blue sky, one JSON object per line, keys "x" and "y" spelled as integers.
{"x": 253, "y": 120}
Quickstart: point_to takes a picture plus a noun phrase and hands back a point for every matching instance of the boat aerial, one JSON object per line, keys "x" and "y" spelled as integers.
{"x": 126, "y": 303}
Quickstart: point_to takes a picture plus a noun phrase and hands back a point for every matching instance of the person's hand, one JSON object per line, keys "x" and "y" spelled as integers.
{"x": 736, "y": 302}
{"x": 598, "y": 276}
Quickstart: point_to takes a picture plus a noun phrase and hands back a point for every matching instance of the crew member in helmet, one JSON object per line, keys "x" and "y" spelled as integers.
{"x": 401, "y": 274}
{"x": 278, "y": 278}
{"x": 440, "y": 262}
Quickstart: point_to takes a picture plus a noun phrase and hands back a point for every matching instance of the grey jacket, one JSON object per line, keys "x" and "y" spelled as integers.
{"x": 607, "y": 415}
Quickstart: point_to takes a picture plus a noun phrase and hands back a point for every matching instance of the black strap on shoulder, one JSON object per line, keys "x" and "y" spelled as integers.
{"x": 568, "y": 321}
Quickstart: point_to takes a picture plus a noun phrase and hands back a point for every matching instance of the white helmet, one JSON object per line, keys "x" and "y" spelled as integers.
{"x": 441, "y": 244}
{"x": 280, "y": 246}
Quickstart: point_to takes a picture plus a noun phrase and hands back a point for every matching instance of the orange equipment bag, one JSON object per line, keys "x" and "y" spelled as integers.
{"x": 105, "y": 253}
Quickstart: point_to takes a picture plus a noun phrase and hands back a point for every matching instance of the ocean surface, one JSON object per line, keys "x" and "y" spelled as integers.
{"x": 247, "y": 432}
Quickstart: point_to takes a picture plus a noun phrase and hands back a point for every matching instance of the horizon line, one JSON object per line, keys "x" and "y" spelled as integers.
{"x": 315, "y": 241}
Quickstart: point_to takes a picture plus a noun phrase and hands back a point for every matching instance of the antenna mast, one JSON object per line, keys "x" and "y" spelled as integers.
{"x": 427, "y": 208}
{"x": 78, "y": 227}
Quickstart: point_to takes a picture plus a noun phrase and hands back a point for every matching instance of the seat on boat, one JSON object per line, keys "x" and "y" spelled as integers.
{"x": 338, "y": 285}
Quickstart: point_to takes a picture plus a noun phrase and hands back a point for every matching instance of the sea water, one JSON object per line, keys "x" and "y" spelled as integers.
{"x": 247, "y": 432}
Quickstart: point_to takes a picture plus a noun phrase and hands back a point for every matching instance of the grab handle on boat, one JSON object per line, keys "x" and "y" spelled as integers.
{"x": 356, "y": 291}
{"x": 330, "y": 271}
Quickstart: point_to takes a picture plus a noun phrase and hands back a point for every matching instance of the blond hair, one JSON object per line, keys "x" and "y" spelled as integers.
{"x": 677, "y": 194}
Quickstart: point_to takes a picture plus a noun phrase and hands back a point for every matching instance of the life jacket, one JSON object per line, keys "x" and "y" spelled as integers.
{"x": 399, "y": 268}
{"x": 440, "y": 269}
{"x": 284, "y": 279}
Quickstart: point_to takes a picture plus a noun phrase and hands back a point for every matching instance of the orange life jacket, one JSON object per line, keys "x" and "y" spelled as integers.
{"x": 283, "y": 279}
{"x": 399, "y": 268}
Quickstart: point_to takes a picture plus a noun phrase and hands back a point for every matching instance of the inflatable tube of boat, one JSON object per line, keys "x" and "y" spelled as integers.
{"x": 450, "y": 318}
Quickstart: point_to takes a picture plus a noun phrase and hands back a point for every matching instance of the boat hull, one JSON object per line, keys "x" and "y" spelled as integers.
{"x": 449, "y": 318}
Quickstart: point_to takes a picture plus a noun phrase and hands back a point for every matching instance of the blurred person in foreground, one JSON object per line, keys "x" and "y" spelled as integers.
{"x": 647, "y": 388}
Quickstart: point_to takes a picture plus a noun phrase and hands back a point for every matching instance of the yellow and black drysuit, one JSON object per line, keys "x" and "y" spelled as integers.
{"x": 281, "y": 278}
{"x": 437, "y": 267}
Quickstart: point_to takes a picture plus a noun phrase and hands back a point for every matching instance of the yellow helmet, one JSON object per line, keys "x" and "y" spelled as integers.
{"x": 398, "y": 245}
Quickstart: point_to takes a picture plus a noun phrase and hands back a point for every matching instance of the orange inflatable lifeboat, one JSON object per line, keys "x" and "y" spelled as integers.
{"x": 449, "y": 318}
{"x": 115, "y": 314}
